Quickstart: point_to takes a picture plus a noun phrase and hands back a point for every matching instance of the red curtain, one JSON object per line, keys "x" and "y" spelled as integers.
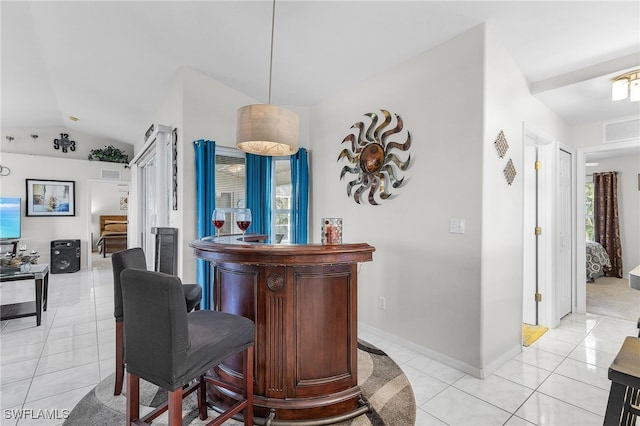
{"x": 607, "y": 226}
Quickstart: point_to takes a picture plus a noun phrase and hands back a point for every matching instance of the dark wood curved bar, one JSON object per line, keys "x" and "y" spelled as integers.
{"x": 303, "y": 299}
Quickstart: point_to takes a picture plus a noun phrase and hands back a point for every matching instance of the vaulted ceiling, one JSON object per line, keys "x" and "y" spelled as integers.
{"x": 110, "y": 63}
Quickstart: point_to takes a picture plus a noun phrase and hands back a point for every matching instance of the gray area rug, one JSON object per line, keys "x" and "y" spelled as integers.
{"x": 383, "y": 385}
{"x": 613, "y": 297}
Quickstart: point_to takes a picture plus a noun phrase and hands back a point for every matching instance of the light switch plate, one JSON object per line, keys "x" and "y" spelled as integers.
{"x": 456, "y": 226}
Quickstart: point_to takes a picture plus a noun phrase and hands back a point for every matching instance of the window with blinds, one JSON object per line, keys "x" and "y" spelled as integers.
{"x": 230, "y": 185}
{"x": 282, "y": 202}
{"x": 230, "y": 191}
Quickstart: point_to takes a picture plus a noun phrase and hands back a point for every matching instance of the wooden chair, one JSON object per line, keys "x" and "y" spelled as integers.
{"x": 135, "y": 258}
{"x": 169, "y": 347}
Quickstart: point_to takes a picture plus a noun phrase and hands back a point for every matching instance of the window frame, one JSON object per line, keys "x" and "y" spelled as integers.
{"x": 276, "y": 210}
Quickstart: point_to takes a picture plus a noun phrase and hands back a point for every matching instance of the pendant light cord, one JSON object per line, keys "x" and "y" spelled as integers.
{"x": 273, "y": 20}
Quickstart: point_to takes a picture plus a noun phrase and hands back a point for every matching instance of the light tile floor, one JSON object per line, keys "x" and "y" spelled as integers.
{"x": 560, "y": 380}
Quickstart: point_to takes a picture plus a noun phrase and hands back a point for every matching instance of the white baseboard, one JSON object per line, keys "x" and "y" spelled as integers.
{"x": 481, "y": 373}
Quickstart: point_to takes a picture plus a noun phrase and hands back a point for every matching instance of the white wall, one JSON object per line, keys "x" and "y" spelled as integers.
{"x": 590, "y": 135}
{"x": 628, "y": 169}
{"x": 43, "y": 144}
{"x": 457, "y": 297}
{"x": 429, "y": 277}
{"x": 508, "y": 107}
{"x": 38, "y": 232}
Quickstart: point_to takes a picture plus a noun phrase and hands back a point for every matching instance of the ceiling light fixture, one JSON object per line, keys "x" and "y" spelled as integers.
{"x": 267, "y": 129}
{"x": 626, "y": 85}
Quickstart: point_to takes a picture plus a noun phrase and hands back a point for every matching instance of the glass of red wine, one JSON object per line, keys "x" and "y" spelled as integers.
{"x": 218, "y": 219}
{"x": 243, "y": 220}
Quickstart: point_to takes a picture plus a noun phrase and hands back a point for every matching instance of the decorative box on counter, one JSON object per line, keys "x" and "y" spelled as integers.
{"x": 332, "y": 230}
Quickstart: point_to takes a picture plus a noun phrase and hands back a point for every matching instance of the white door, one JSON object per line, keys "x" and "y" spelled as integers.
{"x": 538, "y": 226}
{"x": 151, "y": 176}
{"x": 565, "y": 226}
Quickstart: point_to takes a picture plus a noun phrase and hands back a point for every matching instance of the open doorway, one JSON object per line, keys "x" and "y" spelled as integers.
{"x": 548, "y": 251}
{"x": 105, "y": 198}
{"x": 624, "y": 158}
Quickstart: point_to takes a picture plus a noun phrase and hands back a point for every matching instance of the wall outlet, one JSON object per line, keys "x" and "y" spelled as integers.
{"x": 382, "y": 303}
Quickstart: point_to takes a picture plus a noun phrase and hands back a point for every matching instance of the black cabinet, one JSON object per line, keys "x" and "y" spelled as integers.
{"x": 166, "y": 259}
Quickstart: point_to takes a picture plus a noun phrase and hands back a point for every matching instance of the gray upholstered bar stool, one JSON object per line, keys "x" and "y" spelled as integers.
{"x": 623, "y": 407}
{"x": 135, "y": 258}
{"x": 169, "y": 347}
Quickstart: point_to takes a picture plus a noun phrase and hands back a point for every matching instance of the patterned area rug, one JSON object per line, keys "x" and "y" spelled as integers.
{"x": 383, "y": 385}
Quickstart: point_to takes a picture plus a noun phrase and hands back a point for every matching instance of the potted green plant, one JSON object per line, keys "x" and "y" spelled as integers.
{"x": 110, "y": 154}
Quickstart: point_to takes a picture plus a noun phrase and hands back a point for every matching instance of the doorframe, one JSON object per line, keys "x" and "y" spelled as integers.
{"x": 574, "y": 236}
{"x": 545, "y": 150}
{"x": 548, "y": 152}
{"x": 157, "y": 144}
{"x": 581, "y": 246}
{"x": 90, "y": 192}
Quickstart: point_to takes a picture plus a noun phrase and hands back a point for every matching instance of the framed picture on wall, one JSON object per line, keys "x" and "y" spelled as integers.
{"x": 51, "y": 197}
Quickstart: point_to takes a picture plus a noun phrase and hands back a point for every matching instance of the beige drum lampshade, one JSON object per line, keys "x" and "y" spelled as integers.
{"x": 267, "y": 130}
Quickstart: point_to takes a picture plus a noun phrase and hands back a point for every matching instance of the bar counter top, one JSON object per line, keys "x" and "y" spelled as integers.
{"x": 252, "y": 250}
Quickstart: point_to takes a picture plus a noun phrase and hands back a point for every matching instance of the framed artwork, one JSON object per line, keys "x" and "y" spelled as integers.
{"x": 51, "y": 197}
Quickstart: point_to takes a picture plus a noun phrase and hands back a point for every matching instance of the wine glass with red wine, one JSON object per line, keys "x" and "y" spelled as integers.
{"x": 243, "y": 220}
{"x": 218, "y": 219}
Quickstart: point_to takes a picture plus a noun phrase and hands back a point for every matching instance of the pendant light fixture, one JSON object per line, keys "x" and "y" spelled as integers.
{"x": 626, "y": 85}
{"x": 267, "y": 129}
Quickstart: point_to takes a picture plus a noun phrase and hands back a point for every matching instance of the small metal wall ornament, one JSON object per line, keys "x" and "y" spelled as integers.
{"x": 372, "y": 159}
{"x": 510, "y": 172}
{"x": 502, "y": 146}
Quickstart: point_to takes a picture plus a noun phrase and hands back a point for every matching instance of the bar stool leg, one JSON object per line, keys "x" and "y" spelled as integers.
{"x": 119, "y": 358}
{"x": 133, "y": 397}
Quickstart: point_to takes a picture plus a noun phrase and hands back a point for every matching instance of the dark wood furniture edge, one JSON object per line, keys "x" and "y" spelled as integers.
{"x": 249, "y": 252}
{"x": 30, "y": 308}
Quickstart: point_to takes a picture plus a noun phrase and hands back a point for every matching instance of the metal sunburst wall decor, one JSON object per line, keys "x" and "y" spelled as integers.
{"x": 373, "y": 160}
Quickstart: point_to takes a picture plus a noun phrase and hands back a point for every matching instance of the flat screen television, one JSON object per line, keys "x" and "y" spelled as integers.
{"x": 10, "y": 218}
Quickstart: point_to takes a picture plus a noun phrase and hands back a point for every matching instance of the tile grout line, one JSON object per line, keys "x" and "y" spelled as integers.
{"x": 46, "y": 338}
{"x": 534, "y": 390}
